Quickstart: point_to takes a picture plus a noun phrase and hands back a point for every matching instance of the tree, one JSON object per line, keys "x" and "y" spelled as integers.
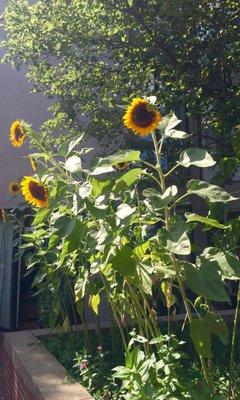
{"x": 92, "y": 55}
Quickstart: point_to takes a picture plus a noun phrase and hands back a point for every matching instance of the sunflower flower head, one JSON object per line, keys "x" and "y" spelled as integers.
{"x": 34, "y": 192}
{"x": 141, "y": 117}
{"x": 17, "y": 134}
{"x": 14, "y": 188}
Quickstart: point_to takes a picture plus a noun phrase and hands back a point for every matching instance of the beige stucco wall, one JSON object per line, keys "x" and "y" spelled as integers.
{"x": 15, "y": 102}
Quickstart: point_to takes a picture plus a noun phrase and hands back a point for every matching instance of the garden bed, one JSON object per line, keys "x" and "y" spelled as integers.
{"x": 30, "y": 372}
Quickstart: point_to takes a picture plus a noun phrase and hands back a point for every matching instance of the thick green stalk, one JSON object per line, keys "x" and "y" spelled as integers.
{"x": 180, "y": 281}
{"x": 106, "y": 285}
{"x": 155, "y": 331}
{"x": 142, "y": 313}
{"x": 233, "y": 347}
{"x": 189, "y": 314}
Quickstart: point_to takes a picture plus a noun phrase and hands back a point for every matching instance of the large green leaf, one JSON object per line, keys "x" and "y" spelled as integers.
{"x": 204, "y": 280}
{"x": 65, "y": 225}
{"x": 73, "y": 164}
{"x": 77, "y": 236}
{"x": 124, "y": 211}
{"x": 157, "y": 201}
{"x": 100, "y": 186}
{"x": 41, "y": 215}
{"x": 176, "y": 240}
{"x": 202, "y": 329}
{"x": 167, "y": 125}
{"x": 96, "y": 212}
{"x": 80, "y": 287}
{"x": 53, "y": 241}
{"x": 208, "y": 192}
{"x": 94, "y": 302}
{"x": 74, "y": 143}
{"x": 121, "y": 157}
{"x": 126, "y": 180}
{"x": 228, "y": 263}
{"x": 205, "y": 220}
{"x": 124, "y": 261}
{"x": 198, "y": 157}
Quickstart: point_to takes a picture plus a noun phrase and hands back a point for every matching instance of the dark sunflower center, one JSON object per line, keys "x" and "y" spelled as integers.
{"x": 37, "y": 191}
{"x": 142, "y": 116}
{"x": 15, "y": 188}
{"x": 18, "y": 133}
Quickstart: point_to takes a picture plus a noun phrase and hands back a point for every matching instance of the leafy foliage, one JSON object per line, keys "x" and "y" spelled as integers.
{"x": 185, "y": 53}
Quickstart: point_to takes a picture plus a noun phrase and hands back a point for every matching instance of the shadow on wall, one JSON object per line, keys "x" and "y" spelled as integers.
{"x": 15, "y": 102}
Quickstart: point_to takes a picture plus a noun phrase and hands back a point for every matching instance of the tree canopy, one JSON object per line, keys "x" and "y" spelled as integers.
{"x": 90, "y": 56}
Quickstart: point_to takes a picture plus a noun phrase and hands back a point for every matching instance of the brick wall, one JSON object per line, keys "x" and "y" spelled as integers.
{"x": 11, "y": 385}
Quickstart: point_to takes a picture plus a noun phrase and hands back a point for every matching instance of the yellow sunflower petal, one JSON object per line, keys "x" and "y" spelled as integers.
{"x": 34, "y": 192}
{"x": 14, "y": 188}
{"x": 140, "y": 118}
{"x": 33, "y": 163}
{"x": 17, "y": 134}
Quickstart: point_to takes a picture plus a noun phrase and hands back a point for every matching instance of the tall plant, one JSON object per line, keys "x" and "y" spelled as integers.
{"x": 94, "y": 231}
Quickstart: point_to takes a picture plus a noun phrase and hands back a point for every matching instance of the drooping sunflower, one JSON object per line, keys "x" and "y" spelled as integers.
{"x": 33, "y": 163}
{"x": 14, "y": 188}
{"x": 17, "y": 134}
{"x": 34, "y": 192}
{"x": 141, "y": 117}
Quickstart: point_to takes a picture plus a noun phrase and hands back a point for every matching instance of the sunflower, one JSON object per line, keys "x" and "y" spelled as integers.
{"x": 33, "y": 163}
{"x": 34, "y": 191}
{"x": 17, "y": 134}
{"x": 14, "y": 188}
{"x": 141, "y": 117}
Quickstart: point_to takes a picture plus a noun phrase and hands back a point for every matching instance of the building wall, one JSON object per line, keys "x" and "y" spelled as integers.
{"x": 15, "y": 102}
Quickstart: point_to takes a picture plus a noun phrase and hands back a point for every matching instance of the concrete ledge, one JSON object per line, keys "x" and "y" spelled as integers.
{"x": 42, "y": 374}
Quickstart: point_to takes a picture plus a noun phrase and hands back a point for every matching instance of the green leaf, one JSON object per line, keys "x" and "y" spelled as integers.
{"x": 202, "y": 329}
{"x": 124, "y": 261}
{"x": 65, "y": 225}
{"x": 96, "y": 212}
{"x": 85, "y": 190}
{"x": 226, "y": 166}
{"x": 141, "y": 249}
{"x": 126, "y": 180}
{"x": 205, "y": 220}
{"x": 121, "y": 157}
{"x": 217, "y": 210}
{"x": 77, "y": 236}
{"x": 53, "y": 241}
{"x": 166, "y": 127}
{"x": 100, "y": 186}
{"x": 204, "y": 280}
{"x": 176, "y": 240}
{"x": 73, "y": 164}
{"x": 80, "y": 287}
{"x": 157, "y": 201}
{"x": 94, "y": 302}
{"x": 124, "y": 211}
{"x": 208, "y": 192}
{"x": 41, "y": 215}
{"x": 74, "y": 143}
{"x": 228, "y": 263}
{"x": 198, "y": 157}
